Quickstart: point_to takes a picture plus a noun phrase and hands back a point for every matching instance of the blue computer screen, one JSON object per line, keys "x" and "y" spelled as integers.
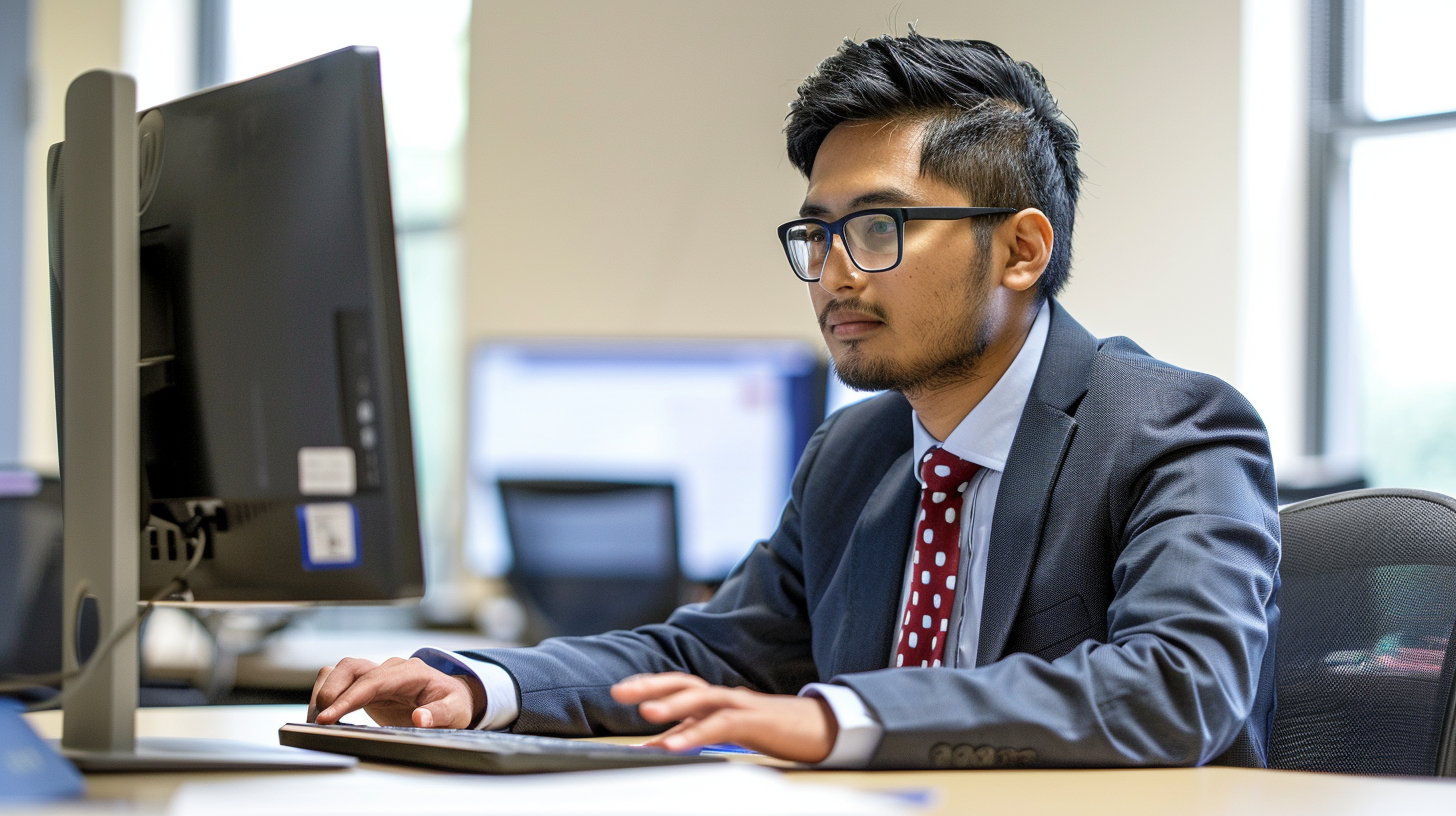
{"x": 723, "y": 421}
{"x": 838, "y": 395}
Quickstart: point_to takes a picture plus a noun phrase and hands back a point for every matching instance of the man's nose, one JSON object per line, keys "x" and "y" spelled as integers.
{"x": 840, "y": 275}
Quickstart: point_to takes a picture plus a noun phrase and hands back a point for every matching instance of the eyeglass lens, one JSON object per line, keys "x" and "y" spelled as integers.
{"x": 873, "y": 241}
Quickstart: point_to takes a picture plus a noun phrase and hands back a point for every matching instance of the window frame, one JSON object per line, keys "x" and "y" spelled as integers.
{"x": 15, "y": 116}
{"x": 1337, "y": 119}
{"x": 440, "y": 487}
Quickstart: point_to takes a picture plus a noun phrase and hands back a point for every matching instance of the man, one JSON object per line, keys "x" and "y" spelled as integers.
{"x": 1039, "y": 549}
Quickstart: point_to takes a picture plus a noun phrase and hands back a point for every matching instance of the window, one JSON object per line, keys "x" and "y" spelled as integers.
{"x": 423, "y": 54}
{"x": 174, "y": 47}
{"x": 1382, "y": 388}
{"x": 14, "y": 76}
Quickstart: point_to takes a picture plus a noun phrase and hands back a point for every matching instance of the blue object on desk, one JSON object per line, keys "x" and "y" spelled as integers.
{"x": 726, "y": 748}
{"x": 30, "y": 769}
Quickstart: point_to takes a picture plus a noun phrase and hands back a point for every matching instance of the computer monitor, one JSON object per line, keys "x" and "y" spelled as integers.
{"x": 838, "y": 395}
{"x": 272, "y": 371}
{"x": 230, "y": 363}
{"x": 724, "y": 422}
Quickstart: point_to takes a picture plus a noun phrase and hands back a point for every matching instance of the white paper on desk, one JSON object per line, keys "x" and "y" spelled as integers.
{"x": 730, "y": 788}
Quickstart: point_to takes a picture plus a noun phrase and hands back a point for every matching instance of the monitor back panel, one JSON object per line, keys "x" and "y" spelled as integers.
{"x": 273, "y": 371}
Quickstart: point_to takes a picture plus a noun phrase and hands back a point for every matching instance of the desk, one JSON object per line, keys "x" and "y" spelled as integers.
{"x": 1189, "y": 791}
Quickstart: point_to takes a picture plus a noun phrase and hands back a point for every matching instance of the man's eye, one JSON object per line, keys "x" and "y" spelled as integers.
{"x": 882, "y": 227}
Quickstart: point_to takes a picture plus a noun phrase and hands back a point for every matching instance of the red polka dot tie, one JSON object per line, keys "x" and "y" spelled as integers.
{"x": 926, "y": 619}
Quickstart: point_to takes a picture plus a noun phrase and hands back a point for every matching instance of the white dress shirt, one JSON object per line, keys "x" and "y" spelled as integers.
{"x": 983, "y": 437}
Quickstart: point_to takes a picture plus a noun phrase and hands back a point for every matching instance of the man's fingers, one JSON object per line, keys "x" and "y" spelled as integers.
{"x": 365, "y": 690}
{"x": 642, "y": 687}
{"x": 354, "y": 685}
{"x": 691, "y": 703}
{"x": 676, "y": 729}
{"x": 722, "y": 726}
{"x": 397, "y": 692}
{"x": 672, "y": 696}
{"x": 450, "y": 712}
{"x": 673, "y": 730}
{"x": 334, "y": 682}
{"x": 800, "y": 729}
{"x": 313, "y": 695}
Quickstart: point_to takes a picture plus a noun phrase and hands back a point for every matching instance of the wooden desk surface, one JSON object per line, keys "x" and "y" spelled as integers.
{"x": 1187, "y": 791}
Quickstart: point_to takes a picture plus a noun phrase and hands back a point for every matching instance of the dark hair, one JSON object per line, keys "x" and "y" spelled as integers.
{"x": 991, "y": 126}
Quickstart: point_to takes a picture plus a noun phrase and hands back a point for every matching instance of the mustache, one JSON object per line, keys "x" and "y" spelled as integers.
{"x": 854, "y": 305}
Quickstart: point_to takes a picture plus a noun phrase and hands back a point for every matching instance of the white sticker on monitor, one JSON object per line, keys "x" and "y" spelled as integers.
{"x": 330, "y": 535}
{"x": 327, "y": 472}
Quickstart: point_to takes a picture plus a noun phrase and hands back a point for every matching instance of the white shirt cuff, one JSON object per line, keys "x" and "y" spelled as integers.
{"x": 501, "y": 709}
{"x": 859, "y": 731}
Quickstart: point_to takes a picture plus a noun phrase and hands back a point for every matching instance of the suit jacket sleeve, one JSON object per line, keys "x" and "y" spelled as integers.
{"x": 753, "y": 633}
{"x": 1187, "y": 627}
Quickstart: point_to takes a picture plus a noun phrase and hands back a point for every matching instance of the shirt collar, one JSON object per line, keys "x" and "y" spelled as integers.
{"x": 985, "y": 435}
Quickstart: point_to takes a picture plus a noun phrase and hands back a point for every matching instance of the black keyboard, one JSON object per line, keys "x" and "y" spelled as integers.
{"x": 476, "y": 751}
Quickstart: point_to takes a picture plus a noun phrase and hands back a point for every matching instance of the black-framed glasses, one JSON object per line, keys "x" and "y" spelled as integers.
{"x": 874, "y": 239}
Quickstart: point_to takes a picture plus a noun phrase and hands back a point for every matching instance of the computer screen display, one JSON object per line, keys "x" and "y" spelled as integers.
{"x": 723, "y": 422}
{"x": 838, "y": 395}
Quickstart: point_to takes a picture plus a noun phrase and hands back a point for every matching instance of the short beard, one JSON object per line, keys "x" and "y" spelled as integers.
{"x": 964, "y": 347}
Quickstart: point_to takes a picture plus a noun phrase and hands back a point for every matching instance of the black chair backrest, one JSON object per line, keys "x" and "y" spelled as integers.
{"x": 592, "y": 556}
{"x": 1365, "y": 657}
{"x": 31, "y": 561}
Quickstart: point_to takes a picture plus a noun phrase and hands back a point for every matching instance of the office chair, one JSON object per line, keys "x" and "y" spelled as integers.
{"x": 592, "y": 556}
{"x": 30, "y": 581}
{"x": 31, "y": 567}
{"x": 1365, "y": 654}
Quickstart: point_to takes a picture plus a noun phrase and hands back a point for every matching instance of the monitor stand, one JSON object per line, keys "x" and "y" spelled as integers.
{"x": 100, "y": 344}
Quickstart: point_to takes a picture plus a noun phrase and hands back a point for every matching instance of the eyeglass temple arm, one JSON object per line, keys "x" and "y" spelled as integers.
{"x": 952, "y": 213}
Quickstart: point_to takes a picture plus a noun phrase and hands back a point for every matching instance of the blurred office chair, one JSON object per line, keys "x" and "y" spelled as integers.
{"x": 30, "y": 580}
{"x": 1365, "y": 655}
{"x": 1312, "y": 477}
{"x": 31, "y": 571}
{"x": 592, "y": 556}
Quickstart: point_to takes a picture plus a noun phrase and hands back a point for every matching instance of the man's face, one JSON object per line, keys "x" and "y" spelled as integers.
{"x": 920, "y": 325}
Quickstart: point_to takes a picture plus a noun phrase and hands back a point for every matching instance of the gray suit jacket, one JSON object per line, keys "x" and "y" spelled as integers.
{"x": 1129, "y": 611}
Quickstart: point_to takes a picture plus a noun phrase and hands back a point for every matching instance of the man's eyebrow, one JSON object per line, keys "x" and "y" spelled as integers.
{"x": 885, "y": 197}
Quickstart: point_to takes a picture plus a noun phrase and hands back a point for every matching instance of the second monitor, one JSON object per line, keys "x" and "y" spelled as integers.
{"x": 724, "y": 422}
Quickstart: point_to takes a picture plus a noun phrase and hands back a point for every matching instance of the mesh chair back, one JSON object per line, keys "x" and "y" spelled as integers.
{"x": 592, "y": 556}
{"x": 30, "y": 581}
{"x": 1365, "y": 657}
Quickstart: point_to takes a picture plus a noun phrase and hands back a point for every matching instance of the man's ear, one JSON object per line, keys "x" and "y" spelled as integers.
{"x": 1027, "y": 239}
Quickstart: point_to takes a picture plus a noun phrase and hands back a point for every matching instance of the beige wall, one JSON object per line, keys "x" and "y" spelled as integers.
{"x": 598, "y": 129}
{"x": 69, "y": 38}
{"x": 626, "y": 162}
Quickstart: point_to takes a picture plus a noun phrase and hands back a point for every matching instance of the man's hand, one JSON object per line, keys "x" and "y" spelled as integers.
{"x": 398, "y": 692}
{"x": 801, "y": 729}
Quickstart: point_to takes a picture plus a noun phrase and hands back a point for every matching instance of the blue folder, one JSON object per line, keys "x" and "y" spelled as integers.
{"x": 30, "y": 769}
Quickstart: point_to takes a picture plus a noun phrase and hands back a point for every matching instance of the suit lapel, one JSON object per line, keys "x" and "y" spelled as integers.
{"x": 876, "y": 555}
{"x": 1042, "y": 437}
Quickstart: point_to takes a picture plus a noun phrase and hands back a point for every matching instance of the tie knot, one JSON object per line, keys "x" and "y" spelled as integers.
{"x": 946, "y": 472}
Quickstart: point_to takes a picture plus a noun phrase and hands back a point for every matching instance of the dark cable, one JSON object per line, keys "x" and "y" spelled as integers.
{"x": 14, "y": 683}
